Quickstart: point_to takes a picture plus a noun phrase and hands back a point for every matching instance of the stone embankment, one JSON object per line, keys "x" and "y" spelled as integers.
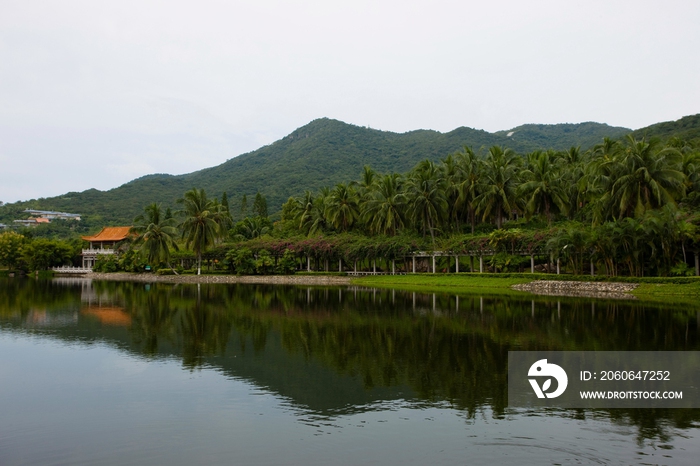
{"x": 271, "y": 279}
{"x": 609, "y": 290}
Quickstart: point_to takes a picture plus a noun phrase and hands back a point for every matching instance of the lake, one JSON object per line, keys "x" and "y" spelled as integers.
{"x": 118, "y": 373}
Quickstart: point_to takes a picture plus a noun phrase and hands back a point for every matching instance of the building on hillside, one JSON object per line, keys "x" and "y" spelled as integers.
{"x": 103, "y": 243}
{"x": 51, "y": 215}
{"x": 32, "y": 222}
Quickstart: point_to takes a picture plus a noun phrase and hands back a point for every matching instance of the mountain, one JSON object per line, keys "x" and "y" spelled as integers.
{"x": 687, "y": 128}
{"x": 322, "y": 153}
{"x": 562, "y": 136}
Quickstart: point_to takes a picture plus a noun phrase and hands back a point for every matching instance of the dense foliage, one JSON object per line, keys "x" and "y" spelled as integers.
{"x": 623, "y": 207}
{"x": 321, "y": 153}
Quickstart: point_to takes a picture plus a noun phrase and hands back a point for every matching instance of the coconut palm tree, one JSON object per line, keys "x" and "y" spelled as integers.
{"x": 308, "y": 212}
{"x": 342, "y": 209}
{"x": 384, "y": 209}
{"x": 498, "y": 195}
{"x": 252, "y": 227}
{"x": 645, "y": 178}
{"x": 468, "y": 174}
{"x": 449, "y": 171}
{"x": 543, "y": 188}
{"x": 202, "y": 222}
{"x": 427, "y": 203}
{"x": 155, "y": 235}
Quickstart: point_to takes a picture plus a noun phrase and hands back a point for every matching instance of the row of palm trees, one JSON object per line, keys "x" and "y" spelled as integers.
{"x": 203, "y": 221}
{"x": 612, "y": 181}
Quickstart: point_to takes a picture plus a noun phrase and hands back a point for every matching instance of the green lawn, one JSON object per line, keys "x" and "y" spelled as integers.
{"x": 462, "y": 283}
{"x": 650, "y": 288}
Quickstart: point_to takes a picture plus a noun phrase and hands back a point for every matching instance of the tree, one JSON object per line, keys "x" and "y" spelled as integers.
{"x": 498, "y": 185}
{"x": 543, "y": 188}
{"x": 244, "y": 206}
{"x": 250, "y": 228}
{"x": 11, "y": 249}
{"x": 309, "y": 211}
{"x": 155, "y": 235}
{"x": 646, "y": 178}
{"x": 342, "y": 210}
{"x": 201, "y": 225}
{"x": 43, "y": 253}
{"x": 224, "y": 203}
{"x": 385, "y": 206}
{"x": 260, "y": 205}
{"x": 468, "y": 175}
{"x": 427, "y": 203}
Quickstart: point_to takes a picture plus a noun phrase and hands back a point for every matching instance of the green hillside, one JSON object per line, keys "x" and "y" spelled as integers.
{"x": 321, "y": 153}
{"x": 562, "y": 136}
{"x": 687, "y": 128}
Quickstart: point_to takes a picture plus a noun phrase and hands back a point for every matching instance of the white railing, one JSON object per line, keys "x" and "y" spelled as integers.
{"x": 67, "y": 269}
{"x": 97, "y": 251}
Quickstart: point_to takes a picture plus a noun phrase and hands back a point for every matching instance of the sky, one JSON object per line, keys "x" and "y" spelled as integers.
{"x": 95, "y": 94}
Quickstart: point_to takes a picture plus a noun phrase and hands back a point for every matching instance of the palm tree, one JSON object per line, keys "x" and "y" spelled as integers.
{"x": 499, "y": 182}
{"x": 202, "y": 222}
{"x": 252, "y": 227}
{"x": 646, "y": 178}
{"x": 308, "y": 212}
{"x": 342, "y": 210}
{"x": 543, "y": 188}
{"x": 449, "y": 171}
{"x": 384, "y": 209}
{"x": 691, "y": 169}
{"x": 598, "y": 176}
{"x": 427, "y": 202}
{"x": 154, "y": 235}
{"x": 468, "y": 174}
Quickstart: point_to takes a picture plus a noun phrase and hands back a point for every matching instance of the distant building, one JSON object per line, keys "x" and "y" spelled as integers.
{"x": 103, "y": 243}
{"x": 51, "y": 215}
{"x": 32, "y": 222}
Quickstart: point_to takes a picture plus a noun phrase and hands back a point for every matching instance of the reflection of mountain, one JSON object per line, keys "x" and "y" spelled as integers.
{"x": 333, "y": 351}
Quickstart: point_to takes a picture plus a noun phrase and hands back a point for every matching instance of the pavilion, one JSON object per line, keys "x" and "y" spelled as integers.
{"x": 103, "y": 243}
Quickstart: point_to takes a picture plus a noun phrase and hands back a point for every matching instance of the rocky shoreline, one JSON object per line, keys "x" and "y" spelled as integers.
{"x": 263, "y": 279}
{"x": 608, "y": 290}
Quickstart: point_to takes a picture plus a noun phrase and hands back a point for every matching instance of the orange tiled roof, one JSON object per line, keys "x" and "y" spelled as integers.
{"x": 109, "y": 234}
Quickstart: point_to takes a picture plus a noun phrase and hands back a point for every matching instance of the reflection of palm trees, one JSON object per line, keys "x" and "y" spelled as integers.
{"x": 204, "y": 329}
{"x": 152, "y": 321}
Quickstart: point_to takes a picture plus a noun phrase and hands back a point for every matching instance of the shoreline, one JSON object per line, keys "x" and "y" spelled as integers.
{"x": 608, "y": 290}
{"x": 538, "y": 287}
{"x": 251, "y": 279}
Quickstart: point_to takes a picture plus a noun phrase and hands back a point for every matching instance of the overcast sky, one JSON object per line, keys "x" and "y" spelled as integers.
{"x": 95, "y": 93}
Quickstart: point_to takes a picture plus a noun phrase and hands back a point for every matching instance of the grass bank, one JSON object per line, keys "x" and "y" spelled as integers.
{"x": 452, "y": 283}
{"x": 686, "y": 289}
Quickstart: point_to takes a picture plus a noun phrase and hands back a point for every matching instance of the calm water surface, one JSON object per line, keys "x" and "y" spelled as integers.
{"x": 133, "y": 373}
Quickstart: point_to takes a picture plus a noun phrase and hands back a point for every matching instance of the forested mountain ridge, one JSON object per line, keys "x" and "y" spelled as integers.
{"x": 322, "y": 153}
{"x": 561, "y": 136}
{"x": 686, "y": 128}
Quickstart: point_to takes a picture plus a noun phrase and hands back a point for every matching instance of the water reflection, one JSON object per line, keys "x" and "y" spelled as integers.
{"x": 334, "y": 351}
